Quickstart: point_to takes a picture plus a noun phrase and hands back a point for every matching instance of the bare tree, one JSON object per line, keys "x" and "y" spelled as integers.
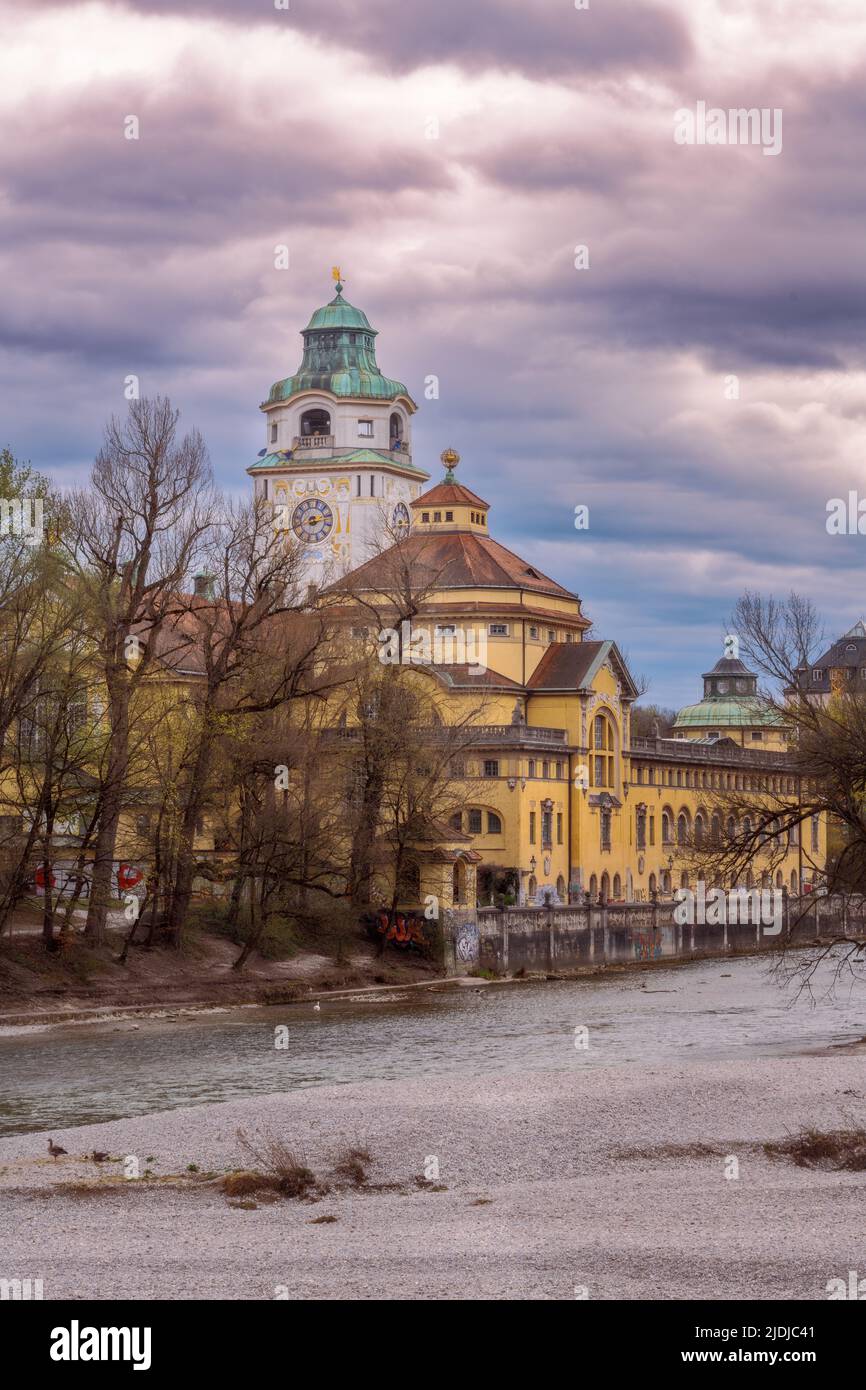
{"x": 132, "y": 536}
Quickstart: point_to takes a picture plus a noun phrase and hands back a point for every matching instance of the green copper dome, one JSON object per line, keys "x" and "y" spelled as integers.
{"x": 731, "y": 700}
{"x": 339, "y": 357}
{"x": 747, "y": 712}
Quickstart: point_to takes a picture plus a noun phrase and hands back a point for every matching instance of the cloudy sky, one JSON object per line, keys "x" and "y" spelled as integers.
{"x": 451, "y": 156}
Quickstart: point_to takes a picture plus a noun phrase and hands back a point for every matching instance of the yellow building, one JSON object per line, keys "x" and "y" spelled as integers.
{"x": 555, "y": 789}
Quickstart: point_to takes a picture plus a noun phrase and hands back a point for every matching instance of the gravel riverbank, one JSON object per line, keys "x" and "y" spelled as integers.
{"x": 611, "y": 1178}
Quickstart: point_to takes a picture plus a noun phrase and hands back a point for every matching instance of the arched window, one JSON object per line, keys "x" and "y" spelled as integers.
{"x": 458, "y": 881}
{"x": 731, "y": 829}
{"x": 795, "y": 887}
{"x": 315, "y": 423}
{"x": 699, "y": 829}
{"x": 617, "y": 888}
{"x": 605, "y": 887}
{"x": 395, "y": 430}
{"x": 494, "y": 824}
{"x": 684, "y": 879}
{"x": 560, "y": 888}
{"x": 682, "y": 828}
{"x": 603, "y": 751}
{"x": 652, "y": 883}
{"x": 532, "y": 889}
{"x": 780, "y": 882}
{"x": 716, "y": 831}
{"x": 409, "y": 889}
{"x": 593, "y": 887}
{"x": 667, "y": 826}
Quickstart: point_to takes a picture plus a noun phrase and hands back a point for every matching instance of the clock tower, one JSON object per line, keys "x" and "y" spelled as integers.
{"x": 337, "y": 463}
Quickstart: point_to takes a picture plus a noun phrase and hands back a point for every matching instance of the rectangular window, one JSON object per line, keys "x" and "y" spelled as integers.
{"x": 652, "y": 830}
{"x": 498, "y": 629}
{"x": 358, "y": 486}
{"x": 474, "y": 822}
{"x": 457, "y": 821}
{"x": 532, "y": 827}
{"x": 559, "y": 827}
{"x": 817, "y": 675}
{"x": 560, "y": 769}
{"x": 457, "y": 768}
{"x": 273, "y": 434}
{"x": 757, "y": 735}
{"x": 641, "y": 829}
{"x": 600, "y": 771}
{"x": 531, "y": 767}
{"x": 569, "y": 637}
{"x": 533, "y": 634}
{"x": 365, "y": 429}
{"x": 372, "y": 484}
{"x": 547, "y": 830}
{"x": 551, "y": 635}
{"x": 491, "y": 767}
{"x": 449, "y": 516}
{"x": 437, "y": 516}
{"x": 816, "y": 832}
{"x": 425, "y": 516}
{"x": 545, "y": 769}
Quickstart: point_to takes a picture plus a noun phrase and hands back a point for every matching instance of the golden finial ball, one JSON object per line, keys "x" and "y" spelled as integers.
{"x": 450, "y": 458}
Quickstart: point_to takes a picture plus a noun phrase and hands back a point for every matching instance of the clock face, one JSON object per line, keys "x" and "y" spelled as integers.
{"x": 401, "y": 516}
{"x": 312, "y": 520}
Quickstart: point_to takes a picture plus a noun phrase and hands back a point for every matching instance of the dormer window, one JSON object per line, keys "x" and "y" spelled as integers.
{"x": 817, "y": 675}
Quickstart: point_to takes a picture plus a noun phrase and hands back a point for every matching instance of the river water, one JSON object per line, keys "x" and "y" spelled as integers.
{"x": 721, "y": 1009}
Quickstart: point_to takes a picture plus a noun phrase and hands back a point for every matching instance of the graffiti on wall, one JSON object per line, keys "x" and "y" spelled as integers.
{"x": 466, "y": 945}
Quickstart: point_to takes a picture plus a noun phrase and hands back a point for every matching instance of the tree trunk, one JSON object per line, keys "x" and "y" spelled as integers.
{"x": 186, "y": 852}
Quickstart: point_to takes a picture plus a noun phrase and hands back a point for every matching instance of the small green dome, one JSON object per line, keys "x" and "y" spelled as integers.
{"x": 339, "y": 357}
{"x": 339, "y": 314}
{"x": 747, "y": 712}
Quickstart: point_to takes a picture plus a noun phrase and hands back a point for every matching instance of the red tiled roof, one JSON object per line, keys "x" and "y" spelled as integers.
{"x": 445, "y": 493}
{"x": 564, "y": 666}
{"x": 452, "y": 560}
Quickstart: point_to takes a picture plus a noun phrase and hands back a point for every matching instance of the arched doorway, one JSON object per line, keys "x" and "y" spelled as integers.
{"x": 560, "y": 888}
{"x": 605, "y": 886}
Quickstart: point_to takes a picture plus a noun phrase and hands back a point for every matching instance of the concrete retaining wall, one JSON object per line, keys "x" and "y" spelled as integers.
{"x": 508, "y": 940}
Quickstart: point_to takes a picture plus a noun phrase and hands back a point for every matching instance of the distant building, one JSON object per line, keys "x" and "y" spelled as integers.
{"x": 842, "y": 667}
